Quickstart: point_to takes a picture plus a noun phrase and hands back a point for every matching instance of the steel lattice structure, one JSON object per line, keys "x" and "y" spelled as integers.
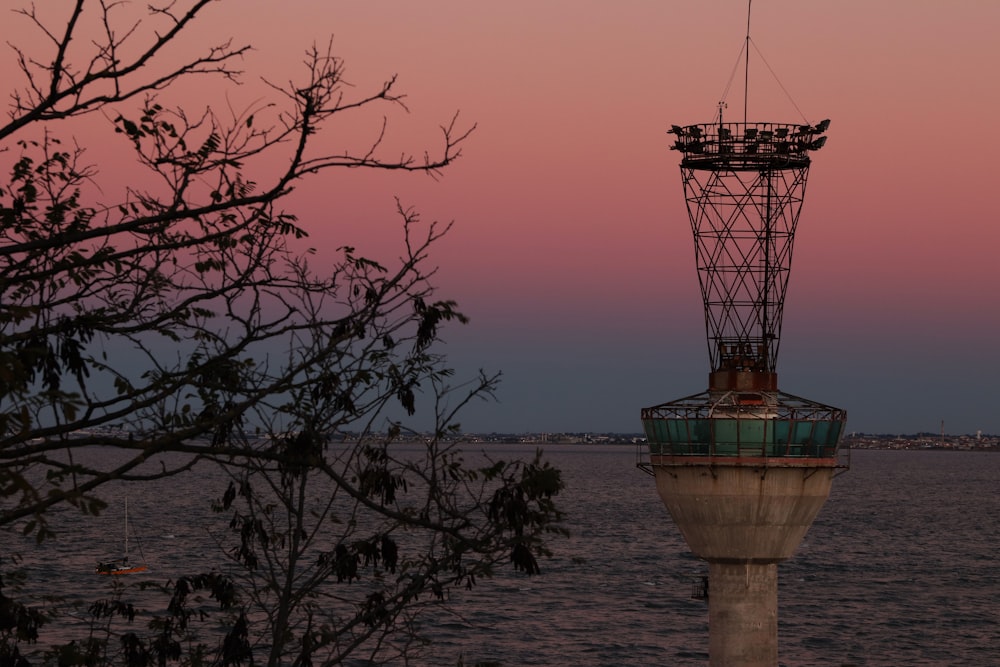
{"x": 744, "y": 184}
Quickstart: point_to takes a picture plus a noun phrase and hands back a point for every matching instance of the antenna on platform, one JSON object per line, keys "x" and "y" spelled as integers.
{"x": 744, "y": 59}
{"x": 746, "y": 68}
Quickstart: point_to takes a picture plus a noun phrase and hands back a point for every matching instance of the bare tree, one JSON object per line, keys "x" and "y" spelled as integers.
{"x": 184, "y": 318}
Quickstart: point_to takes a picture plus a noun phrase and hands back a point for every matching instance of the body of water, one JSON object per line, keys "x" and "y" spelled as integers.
{"x": 900, "y": 568}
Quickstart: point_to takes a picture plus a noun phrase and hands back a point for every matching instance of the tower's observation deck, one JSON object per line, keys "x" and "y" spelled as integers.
{"x": 745, "y": 425}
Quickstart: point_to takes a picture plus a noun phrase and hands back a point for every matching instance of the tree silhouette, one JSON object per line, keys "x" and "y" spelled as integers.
{"x": 184, "y": 325}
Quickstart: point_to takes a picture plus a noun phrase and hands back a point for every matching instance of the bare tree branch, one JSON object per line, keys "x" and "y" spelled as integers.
{"x": 179, "y": 322}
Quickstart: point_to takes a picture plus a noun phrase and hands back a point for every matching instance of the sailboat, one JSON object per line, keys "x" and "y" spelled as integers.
{"x": 122, "y": 565}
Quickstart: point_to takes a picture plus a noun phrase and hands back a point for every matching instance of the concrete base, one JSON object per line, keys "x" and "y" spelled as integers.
{"x": 743, "y": 518}
{"x": 742, "y": 615}
{"x": 743, "y": 513}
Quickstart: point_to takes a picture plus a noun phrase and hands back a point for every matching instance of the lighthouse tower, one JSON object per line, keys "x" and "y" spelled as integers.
{"x": 743, "y": 468}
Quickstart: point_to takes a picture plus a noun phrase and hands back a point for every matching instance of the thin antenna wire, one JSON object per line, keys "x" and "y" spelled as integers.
{"x": 745, "y": 56}
{"x": 732, "y": 76}
{"x": 781, "y": 85}
{"x": 746, "y": 70}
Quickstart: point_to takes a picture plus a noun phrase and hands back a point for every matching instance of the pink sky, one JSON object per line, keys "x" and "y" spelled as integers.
{"x": 572, "y": 251}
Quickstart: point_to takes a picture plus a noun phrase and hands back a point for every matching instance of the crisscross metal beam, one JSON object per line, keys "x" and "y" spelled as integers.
{"x": 744, "y": 184}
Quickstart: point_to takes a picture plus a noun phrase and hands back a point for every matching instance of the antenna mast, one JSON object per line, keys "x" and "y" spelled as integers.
{"x": 746, "y": 68}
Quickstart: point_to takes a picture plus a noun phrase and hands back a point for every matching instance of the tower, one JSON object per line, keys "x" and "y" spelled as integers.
{"x": 742, "y": 467}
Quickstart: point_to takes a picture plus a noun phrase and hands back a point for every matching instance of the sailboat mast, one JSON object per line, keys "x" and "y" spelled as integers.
{"x": 126, "y": 527}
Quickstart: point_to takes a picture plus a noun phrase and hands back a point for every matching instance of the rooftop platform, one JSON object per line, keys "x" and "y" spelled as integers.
{"x": 747, "y": 146}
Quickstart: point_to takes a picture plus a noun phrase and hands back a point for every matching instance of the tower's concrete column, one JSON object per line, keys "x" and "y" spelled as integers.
{"x": 743, "y": 615}
{"x": 743, "y": 518}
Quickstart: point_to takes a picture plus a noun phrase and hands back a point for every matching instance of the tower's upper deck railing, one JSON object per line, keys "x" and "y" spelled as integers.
{"x": 747, "y": 146}
{"x": 744, "y": 424}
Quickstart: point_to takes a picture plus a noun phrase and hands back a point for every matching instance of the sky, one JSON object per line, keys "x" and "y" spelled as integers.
{"x": 571, "y": 249}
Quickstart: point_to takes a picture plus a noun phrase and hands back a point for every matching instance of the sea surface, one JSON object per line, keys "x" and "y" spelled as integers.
{"x": 900, "y": 568}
